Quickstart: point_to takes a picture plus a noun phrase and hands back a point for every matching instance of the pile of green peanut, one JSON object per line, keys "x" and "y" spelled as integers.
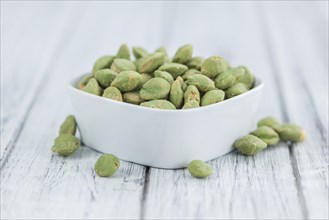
{"x": 156, "y": 81}
{"x": 269, "y": 132}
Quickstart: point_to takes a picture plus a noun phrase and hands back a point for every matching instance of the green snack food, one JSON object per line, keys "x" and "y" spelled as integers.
{"x": 105, "y": 76}
{"x": 106, "y": 165}
{"x": 84, "y": 81}
{"x": 199, "y": 169}
{"x": 113, "y": 93}
{"x": 123, "y": 52}
{"x": 246, "y": 77}
{"x": 202, "y": 82}
{"x": 184, "y": 86}
{"x": 190, "y": 73}
{"x": 228, "y": 78}
{"x": 103, "y": 62}
{"x": 164, "y": 51}
{"x": 291, "y": 132}
{"x": 250, "y": 145}
{"x": 139, "y": 52}
{"x": 180, "y": 80}
{"x": 161, "y": 104}
{"x": 176, "y": 96}
{"x": 175, "y": 69}
{"x": 267, "y": 134}
{"x": 141, "y": 60}
{"x": 236, "y": 90}
{"x": 145, "y": 77}
{"x": 65, "y": 144}
{"x": 183, "y": 54}
{"x": 165, "y": 75}
{"x": 120, "y": 65}
{"x": 214, "y": 65}
{"x": 161, "y": 50}
{"x": 191, "y": 104}
{"x": 69, "y": 126}
{"x": 195, "y": 63}
{"x": 212, "y": 97}
{"x": 127, "y": 81}
{"x": 268, "y": 121}
{"x": 92, "y": 87}
{"x": 151, "y": 62}
{"x": 132, "y": 97}
{"x": 191, "y": 93}
{"x": 155, "y": 88}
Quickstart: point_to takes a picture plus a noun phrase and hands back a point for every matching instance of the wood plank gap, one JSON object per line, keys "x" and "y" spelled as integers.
{"x": 145, "y": 191}
{"x": 274, "y": 63}
{"x": 44, "y": 80}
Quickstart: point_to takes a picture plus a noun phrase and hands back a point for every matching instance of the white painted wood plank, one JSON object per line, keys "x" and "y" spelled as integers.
{"x": 241, "y": 187}
{"x": 37, "y": 185}
{"x": 304, "y": 81}
{"x": 23, "y": 70}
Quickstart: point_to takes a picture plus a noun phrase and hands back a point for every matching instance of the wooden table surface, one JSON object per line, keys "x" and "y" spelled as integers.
{"x": 45, "y": 44}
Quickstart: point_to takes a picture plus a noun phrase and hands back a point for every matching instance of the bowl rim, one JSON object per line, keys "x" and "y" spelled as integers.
{"x": 259, "y": 84}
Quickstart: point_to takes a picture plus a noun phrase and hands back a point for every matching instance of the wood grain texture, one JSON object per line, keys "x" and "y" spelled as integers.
{"x": 45, "y": 44}
{"x": 310, "y": 158}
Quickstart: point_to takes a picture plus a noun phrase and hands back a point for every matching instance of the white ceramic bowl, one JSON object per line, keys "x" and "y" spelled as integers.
{"x": 163, "y": 138}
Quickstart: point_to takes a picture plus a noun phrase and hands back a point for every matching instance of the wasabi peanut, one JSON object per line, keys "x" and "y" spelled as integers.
{"x": 107, "y": 165}
{"x": 155, "y": 76}
{"x": 123, "y": 52}
{"x": 195, "y": 63}
{"x": 268, "y": 121}
{"x": 105, "y": 77}
{"x": 120, "y": 65}
{"x": 176, "y": 94}
{"x": 69, "y": 126}
{"x": 236, "y": 90}
{"x": 127, "y": 81}
{"x": 151, "y": 62}
{"x": 165, "y": 75}
{"x": 213, "y": 66}
{"x": 93, "y": 87}
{"x": 192, "y": 93}
{"x": 183, "y": 54}
{"x": 199, "y": 169}
{"x": 291, "y": 132}
{"x": 156, "y": 88}
{"x": 103, "y": 62}
{"x": 267, "y": 134}
{"x": 160, "y": 104}
{"x": 191, "y": 104}
{"x": 132, "y": 98}
{"x": 175, "y": 69}
{"x": 113, "y": 93}
{"x": 139, "y": 52}
{"x": 203, "y": 83}
{"x": 250, "y": 145}
{"x": 190, "y": 73}
{"x": 65, "y": 144}
{"x": 212, "y": 97}
{"x": 83, "y": 82}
